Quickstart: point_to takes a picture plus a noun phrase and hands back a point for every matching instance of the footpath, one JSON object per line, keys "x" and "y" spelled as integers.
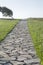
{"x": 17, "y": 48}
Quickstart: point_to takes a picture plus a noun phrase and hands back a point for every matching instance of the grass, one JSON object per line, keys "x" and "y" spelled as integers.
{"x": 5, "y": 27}
{"x": 36, "y": 30}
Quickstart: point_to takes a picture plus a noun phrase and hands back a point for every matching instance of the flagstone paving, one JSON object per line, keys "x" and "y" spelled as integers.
{"x": 17, "y": 48}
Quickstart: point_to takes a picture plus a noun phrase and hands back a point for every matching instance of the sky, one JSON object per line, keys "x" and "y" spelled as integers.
{"x": 24, "y": 8}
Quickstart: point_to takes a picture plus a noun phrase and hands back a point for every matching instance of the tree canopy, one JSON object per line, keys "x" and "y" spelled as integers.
{"x": 6, "y": 11}
{"x": 0, "y": 9}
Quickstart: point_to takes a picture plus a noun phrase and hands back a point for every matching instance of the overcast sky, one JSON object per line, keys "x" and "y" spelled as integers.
{"x": 24, "y": 8}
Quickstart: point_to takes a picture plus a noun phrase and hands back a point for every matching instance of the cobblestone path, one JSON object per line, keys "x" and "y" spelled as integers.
{"x": 17, "y": 48}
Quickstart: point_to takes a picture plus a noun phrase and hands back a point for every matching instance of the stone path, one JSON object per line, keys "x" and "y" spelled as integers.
{"x": 17, "y": 48}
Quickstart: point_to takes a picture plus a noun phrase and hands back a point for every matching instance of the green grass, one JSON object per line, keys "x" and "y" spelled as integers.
{"x": 36, "y": 30}
{"x": 5, "y": 27}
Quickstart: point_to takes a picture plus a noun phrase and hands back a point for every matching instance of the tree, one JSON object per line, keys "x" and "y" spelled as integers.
{"x": 6, "y": 12}
{"x": 0, "y": 9}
